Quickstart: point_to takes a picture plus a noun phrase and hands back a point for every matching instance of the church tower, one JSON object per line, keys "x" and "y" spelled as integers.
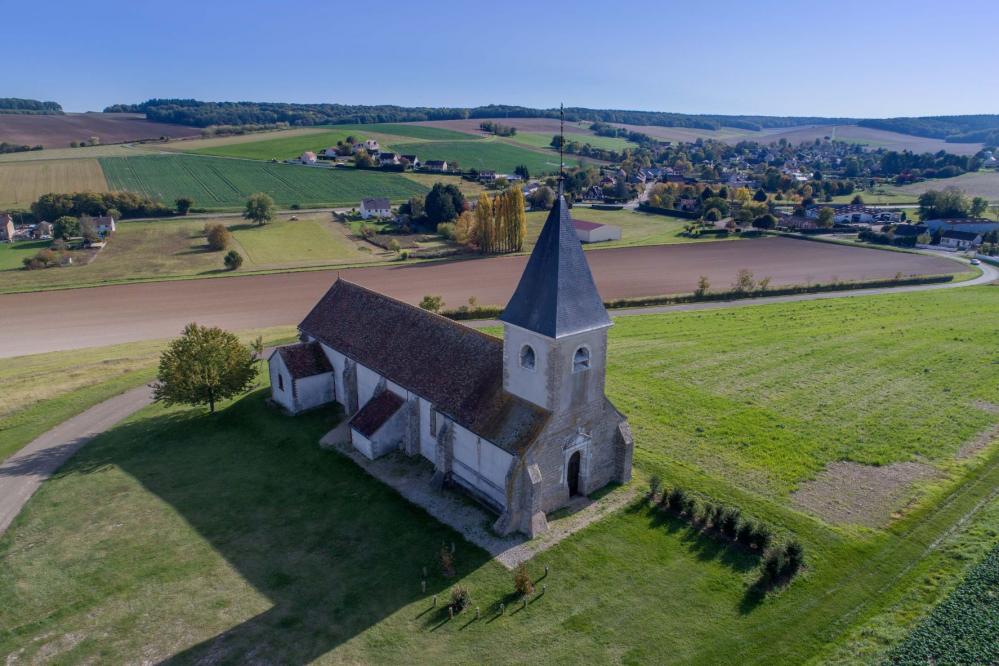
{"x": 555, "y": 325}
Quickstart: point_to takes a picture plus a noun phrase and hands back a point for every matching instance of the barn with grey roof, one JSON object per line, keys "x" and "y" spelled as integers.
{"x": 521, "y": 423}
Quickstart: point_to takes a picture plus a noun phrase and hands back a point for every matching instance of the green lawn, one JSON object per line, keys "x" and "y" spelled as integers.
{"x": 12, "y": 254}
{"x": 484, "y": 154}
{"x": 636, "y": 228}
{"x": 175, "y": 247}
{"x": 282, "y": 148}
{"x": 219, "y": 183}
{"x": 234, "y": 538}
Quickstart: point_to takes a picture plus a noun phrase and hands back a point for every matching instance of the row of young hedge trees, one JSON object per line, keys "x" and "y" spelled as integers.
{"x": 782, "y": 559}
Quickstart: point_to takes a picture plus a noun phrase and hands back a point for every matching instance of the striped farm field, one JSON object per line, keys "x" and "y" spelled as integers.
{"x": 408, "y": 130}
{"x": 218, "y": 183}
{"x": 21, "y": 183}
{"x": 284, "y": 147}
{"x": 484, "y": 154}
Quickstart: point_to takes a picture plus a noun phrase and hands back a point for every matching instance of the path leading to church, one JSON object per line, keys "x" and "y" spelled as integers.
{"x": 76, "y": 318}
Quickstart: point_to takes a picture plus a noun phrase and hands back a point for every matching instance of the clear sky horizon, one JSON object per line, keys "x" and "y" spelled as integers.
{"x": 843, "y": 59}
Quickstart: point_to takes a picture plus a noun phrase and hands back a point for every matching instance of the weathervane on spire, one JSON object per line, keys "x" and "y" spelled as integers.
{"x": 561, "y": 143}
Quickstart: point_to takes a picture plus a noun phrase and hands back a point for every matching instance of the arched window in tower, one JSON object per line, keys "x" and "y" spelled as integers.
{"x": 527, "y": 357}
{"x": 581, "y": 360}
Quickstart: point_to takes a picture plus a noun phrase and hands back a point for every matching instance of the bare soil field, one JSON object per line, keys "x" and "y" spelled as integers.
{"x": 874, "y": 138}
{"x": 59, "y": 131}
{"x": 471, "y": 125}
{"x": 106, "y": 315}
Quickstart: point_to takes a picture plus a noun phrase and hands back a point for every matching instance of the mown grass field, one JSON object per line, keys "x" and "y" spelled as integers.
{"x": 172, "y": 248}
{"x": 12, "y": 255}
{"x": 235, "y": 538}
{"x": 21, "y": 183}
{"x": 43, "y": 390}
{"x": 983, "y": 183}
{"x": 636, "y": 228}
{"x": 484, "y": 154}
{"x": 219, "y": 183}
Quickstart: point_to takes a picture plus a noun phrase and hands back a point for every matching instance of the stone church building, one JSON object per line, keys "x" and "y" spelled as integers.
{"x": 521, "y": 424}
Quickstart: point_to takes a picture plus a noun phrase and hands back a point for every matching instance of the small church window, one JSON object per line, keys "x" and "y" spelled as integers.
{"x": 581, "y": 360}
{"x": 280, "y": 382}
{"x": 527, "y": 357}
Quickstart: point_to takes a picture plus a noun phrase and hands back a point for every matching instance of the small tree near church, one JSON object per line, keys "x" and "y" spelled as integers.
{"x": 203, "y": 366}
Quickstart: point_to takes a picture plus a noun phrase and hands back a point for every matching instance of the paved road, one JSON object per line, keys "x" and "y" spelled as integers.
{"x": 24, "y": 472}
{"x": 75, "y": 318}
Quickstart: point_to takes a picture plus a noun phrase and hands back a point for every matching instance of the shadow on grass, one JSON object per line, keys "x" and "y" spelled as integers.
{"x": 705, "y": 546}
{"x": 303, "y": 526}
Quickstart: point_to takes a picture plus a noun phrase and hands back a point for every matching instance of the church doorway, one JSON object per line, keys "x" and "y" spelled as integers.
{"x": 572, "y": 476}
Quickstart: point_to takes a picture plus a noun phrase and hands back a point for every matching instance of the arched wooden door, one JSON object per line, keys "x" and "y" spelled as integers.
{"x": 572, "y": 476}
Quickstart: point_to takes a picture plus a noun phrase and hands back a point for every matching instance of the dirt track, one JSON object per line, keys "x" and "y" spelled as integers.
{"x": 48, "y": 321}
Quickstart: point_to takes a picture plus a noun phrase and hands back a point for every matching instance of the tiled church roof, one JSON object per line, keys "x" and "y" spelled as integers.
{"x": 457, "y": 369}
{"x": 304, "y": 360}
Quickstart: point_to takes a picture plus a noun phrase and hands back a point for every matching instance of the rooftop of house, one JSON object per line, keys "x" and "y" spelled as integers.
{"x": 305, "y": 359}
{"x": 376, "y": 203}
{"x": 556, "y": 295}
{"x": 455, "y": 368}
{"x": 376, "y": 412}
{"x": 961, "y": 235}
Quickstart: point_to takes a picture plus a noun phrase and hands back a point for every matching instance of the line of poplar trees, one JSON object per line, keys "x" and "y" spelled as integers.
{"x": 500, "y": 222}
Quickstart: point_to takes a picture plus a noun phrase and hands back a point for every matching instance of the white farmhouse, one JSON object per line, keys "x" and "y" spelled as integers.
{"x": 521, "y": 424}
{"x": 595, "y": 232}
{"x": 375, "y": 207}
{"x": 308, "y": 157}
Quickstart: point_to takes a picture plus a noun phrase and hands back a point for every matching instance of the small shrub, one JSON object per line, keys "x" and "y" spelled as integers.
{"x": 432, "y": 303}
{"x": 692, "y": 508}
{"x": 446, "y": 559}
{"x": 404, "y": 255}
{"x": 762, "y": 537}
{"x": 217, "y": 236}
{"x": 773, "y": 565}
{"x": 677, "y": 499}
{"x": 460, "y": 599}
{"x": 730, "y": 519}
{"x": 744, "y": 535}
{"x": 394, "y": 246}
{"x": 709, "y": 515}
{"x": 446, "y": 230}
{"x": 522, "y": 582}
{"x": 794, "y": 558}
{"x": 655, "y": 483}
{"x": 233, "y": 260}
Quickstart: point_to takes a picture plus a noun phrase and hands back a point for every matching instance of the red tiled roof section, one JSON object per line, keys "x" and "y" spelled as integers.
{"x": 376, "y": 412}
{"x": 305, "y": 359}
{"x": 457, "y": 369}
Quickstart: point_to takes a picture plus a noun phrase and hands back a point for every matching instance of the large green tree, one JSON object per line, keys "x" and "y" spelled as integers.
{"x": 66, "y": 227}
{"x": 943, "y": 204}
{"x": 203, "y": 366}
{"x": 444, "y": 203}
{"x": 259, "y": 208}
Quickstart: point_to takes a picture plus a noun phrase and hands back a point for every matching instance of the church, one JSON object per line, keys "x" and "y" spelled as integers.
{"x": 520, "y": 424}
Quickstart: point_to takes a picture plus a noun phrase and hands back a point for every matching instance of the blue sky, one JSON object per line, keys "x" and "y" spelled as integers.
{"x": 831, "y": 58}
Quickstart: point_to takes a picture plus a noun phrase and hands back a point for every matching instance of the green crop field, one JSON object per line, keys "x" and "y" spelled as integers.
{"x": 278, "y": 148}
{"x": 219, "y": 183}
{"x": 234, "y": 538}
{"x": 544, "y": 140}
{"x": 175, "y": 248}
{"x": 964, "y": 629}
{"x": 484, "y": 154}
{"x": 407, "y": 130}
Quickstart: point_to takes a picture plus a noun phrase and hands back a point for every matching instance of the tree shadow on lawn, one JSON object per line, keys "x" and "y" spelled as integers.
{"x": 334, "y": 550}
{"x": 705, "y": 546}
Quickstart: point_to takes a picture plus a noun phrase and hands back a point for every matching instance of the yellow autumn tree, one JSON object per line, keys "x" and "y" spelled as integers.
{"x": 517, "y": 219}
{"x": 464, "y": 228}
{"x": 484, "y": 232}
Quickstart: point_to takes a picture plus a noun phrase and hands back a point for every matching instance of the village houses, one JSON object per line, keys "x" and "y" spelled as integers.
{"x": 521, "y": 424}
{"x": 375, "y": 207}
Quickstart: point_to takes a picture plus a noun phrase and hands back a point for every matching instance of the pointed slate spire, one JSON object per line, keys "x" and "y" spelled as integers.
{"x": 556, "y": 295}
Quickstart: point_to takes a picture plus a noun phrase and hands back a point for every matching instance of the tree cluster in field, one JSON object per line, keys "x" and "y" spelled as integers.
{"x": 17, "y": 105}
{"x": 887, "y": 238}
{"x": 781, "y": 560}
{"x": 17, "y": 147}
{"x": 217, "y": 236}
{"x": 236, "y": 130}
{"x": 909, "y": 167}
{"x": 125, "y": 204}
{"x": 498, "y": 225}
{"x": 950, "y": 203}
{"x": 496, "y": 128}
{"x": 46, "y": 258}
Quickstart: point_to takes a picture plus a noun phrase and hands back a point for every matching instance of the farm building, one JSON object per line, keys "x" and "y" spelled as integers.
{"x": 6, "y": 228}
{"x": 308, "y": 157}
{"x": 960, "y": 240}
{"x": 976, "y": 225}
{"x": 388, "y": 159}
{"x": 43, "y": 229}
{"x": 375, "y": 207}
{"x": 413, "y": 160}
{"x": 435, "y": 165}
{"x": 369, "y": 145}
{"x": 595, "y": 232}
{"x": 104, "y": 224}
{"x": 521, "y": 424}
